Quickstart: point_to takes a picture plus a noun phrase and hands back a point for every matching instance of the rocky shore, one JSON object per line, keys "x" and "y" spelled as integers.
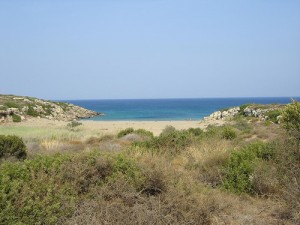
{"x": 19, "y": 108}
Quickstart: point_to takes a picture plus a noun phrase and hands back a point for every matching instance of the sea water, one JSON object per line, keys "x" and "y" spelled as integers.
{"x": 167, "y": 109}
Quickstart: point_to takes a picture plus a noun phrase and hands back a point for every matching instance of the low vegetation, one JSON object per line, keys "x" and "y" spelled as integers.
{"x": 12, "y": 146}
{"x": 291, "y": 119}
{"x": 16, "y": 118}
{"x": 242, "y": 173}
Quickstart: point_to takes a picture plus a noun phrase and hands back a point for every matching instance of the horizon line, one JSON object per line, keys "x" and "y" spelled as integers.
{"x": 116, "y": 99}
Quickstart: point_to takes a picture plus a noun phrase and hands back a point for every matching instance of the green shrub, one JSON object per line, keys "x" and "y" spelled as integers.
{"x": 46, "y": 189}
{"x": 141, "y": 132}
{"x": 272, "y": 115}
{"x": 267, "y": 123}
{"x": 262, "y": 150}
{"x": 213, "y": 131}
{"x": 124, "y": 166}
{"x": 12, "y": 146}
{"x": 74, "y": 124}
{"x": 11, "y": 105}
{"x": 16, "y": 118}
{"x": 240, "y": 169}
{"x": 167, "y": 142}
{"x": 32, "y": 193}
{"x": 47, "y": 109}
{"x": 291, "y": 119}
{"x": 122, "y": 133}
{"x": 144, "y": 133}
{"x": 168, "y": 129}
{"x": 242, "y": 124}
{"x": 228, "y": 133}
{"x": 32, "y": 112}
{"x": 86, "y": 171}
{"x": 195, "y": 131}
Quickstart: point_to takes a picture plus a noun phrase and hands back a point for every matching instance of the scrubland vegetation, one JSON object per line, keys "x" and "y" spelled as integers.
{"x": 246, "y": 172}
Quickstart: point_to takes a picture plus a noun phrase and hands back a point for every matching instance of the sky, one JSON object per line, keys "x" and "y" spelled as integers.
{"x": 123, "y": 49}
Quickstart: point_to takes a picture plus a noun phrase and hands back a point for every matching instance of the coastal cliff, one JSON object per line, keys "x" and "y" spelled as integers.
{"x": 19, "y": 108}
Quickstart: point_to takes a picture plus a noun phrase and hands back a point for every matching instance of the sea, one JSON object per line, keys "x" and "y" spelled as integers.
{"x": 167, "y": 109}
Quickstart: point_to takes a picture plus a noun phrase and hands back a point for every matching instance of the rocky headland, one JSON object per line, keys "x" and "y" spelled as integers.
{"x": 20, "y": 108}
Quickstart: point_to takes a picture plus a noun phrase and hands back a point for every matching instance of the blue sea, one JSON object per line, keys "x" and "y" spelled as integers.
{"x": 166, "y": 109}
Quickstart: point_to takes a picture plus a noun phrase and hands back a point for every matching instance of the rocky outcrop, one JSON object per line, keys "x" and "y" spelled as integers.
{"x": 255, "y": 112}
{"x": 260, "y": 111}
{"x": 25, "y": 108}
{"x": 220, "y": 115}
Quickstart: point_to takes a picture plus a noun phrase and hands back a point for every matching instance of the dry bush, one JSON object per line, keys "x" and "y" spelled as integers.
{"x": 208, "y": 158}
{"x": 107, "y": 143}
{"x": 265, "y": 180}
{"x": 33, "y": 148}
{"x": 287, "y": 162}
{"x": 244, "y": 209}
{"x": 155, "y": 182}
{"x": 97, "y": 140}
{"x": 85, "y": 172}
{"x": 110, "y": 146}
{"x": 50, "y": 146}
{"x": 163, "y": 196}
{"x": 119, "y": 203}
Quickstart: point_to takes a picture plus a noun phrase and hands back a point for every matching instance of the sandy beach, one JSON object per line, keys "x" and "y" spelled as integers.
{"x": 112, "y": 127}
{"x": 154, "y": 126}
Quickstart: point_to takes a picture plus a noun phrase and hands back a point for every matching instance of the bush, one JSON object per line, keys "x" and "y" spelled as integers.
{"x": 242, "y": 124}
{"x": 291, "y": 119}
{"x": 144, "y": 133}
{"x": 119, "y": 203}
{"x": 167, "y": 130}
{"x": 212, "y": 131}
{"x": 141, "y": 132}
{"x": 169, "y": 142}
{"x": 12, "y": 145}
{"x": 228, "y": 133}
{"x": 32, "y": 112}
{"x": 273, "y": 114}
{"x": 74, "y": 124}
{"x": 47, "y": 189}
{"x": 11, "y": 105}
{"x": 126, "y": 167}
{"x": 31, "y": 193}
{"x": 122, "y": 133}
{"x": 239, "y": 171}
{"x": 16, "y": 118}
{"x": 287, "y": 162}
{"x": 84, "y": 172}
{"x": 195, "y": 131}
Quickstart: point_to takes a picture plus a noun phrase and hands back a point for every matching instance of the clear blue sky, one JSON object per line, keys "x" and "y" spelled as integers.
{"x": 88, "y": 49}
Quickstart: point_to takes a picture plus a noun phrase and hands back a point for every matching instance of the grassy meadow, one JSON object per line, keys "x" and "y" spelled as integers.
{"x": 244, "y": 172}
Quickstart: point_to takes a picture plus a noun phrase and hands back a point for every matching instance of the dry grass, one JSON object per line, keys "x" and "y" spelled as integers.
{"x": 118, "y": 203}
{"x": 206, "y": 159}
